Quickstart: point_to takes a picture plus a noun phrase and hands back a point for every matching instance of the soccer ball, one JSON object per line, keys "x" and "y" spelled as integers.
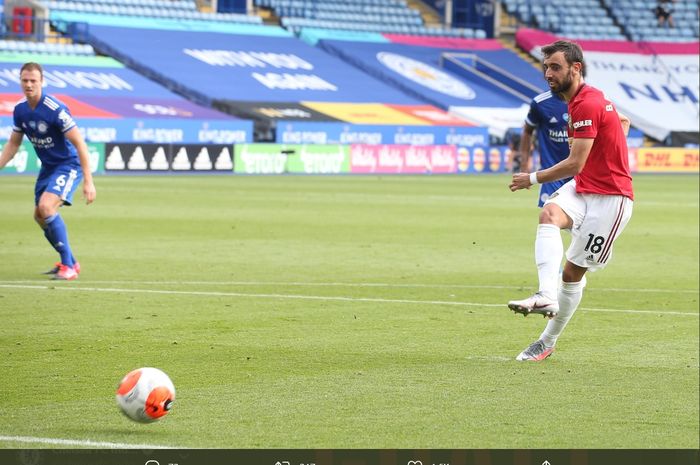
{"x": 145, "y": 395}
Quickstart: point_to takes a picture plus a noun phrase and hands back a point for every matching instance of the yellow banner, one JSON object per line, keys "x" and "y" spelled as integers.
{"x": 365, "y": 113}
{"x": 668, "y": 160}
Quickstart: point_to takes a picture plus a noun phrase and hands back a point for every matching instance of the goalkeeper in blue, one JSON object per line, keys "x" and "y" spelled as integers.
{"x": 60, "y": 146}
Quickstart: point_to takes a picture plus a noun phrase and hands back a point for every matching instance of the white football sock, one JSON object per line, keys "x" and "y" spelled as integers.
{"x": 549, "y": 250}
{"x": 569, "y": 297}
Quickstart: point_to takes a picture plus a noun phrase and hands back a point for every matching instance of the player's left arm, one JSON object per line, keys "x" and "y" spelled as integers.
{"x": 76, "y": 138}
{"x": 568, "y": 167}
{"x": 571, "y": 165}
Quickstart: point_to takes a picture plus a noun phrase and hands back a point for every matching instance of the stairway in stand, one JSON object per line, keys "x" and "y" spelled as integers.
{"x": 430, "y": 17}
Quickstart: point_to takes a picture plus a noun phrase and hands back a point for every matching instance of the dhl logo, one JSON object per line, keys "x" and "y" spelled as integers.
{"x": 680, "y": 160}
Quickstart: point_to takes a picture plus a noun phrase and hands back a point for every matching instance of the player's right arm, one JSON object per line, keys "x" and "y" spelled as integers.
{"x": 9, "y": 150}
{"x": 526, "y": 147}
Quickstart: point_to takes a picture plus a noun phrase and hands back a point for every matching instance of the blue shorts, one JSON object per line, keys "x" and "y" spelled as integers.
{"x": 61, "y": 180}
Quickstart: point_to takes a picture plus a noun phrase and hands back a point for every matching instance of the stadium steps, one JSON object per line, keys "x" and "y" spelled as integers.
{"x": 509, "y": 43}
{"x": 508, "y": 24}
{"x": 268, "y": 16}
{"x": 429, "y": 15}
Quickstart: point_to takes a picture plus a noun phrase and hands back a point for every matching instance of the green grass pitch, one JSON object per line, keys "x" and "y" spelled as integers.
{"x": 343, "y": 312}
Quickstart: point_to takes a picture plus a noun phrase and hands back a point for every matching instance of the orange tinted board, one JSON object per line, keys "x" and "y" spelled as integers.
{"x": 78, "y": 108}
{"x": 668, "y": 160}
{"x": 432, "y": 115}
{"x": 365, "y": 113}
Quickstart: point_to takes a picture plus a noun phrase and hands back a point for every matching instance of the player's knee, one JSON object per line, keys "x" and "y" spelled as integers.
{"x": 553, "y": 214}
{"x": 548, "y": 215}
{"x": 573, "y": 273}
{"x": 44, "y": 210}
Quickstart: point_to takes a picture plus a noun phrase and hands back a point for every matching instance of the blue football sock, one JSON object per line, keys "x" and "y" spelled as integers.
{"x": 58, "y": 232}
{"x": 47, "y": 235}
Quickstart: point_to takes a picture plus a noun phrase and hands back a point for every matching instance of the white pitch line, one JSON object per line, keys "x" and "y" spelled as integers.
{"x": 340, "y": 284}
{"x": 79, "y": 443}
{"x": 244, "y": 294}
{"x": 68, "y": 287}
{"x": 492, "y": 358}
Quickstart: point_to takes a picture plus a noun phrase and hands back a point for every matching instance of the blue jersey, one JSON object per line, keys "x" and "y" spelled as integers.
{"x": 46, "y": 127}
{"x": 549, "y": 116}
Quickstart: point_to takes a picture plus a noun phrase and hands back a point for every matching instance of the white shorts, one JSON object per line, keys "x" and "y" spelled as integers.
{"x": 597, "y": 221}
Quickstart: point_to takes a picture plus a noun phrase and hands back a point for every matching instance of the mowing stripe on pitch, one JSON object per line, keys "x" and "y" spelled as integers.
{"x": 337, "y": 284}
{"x": 79, "y": 443}
{"x": 69, "y": 287}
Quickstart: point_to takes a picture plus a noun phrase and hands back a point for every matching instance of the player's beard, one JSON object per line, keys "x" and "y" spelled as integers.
{"x": 564, "y": 86}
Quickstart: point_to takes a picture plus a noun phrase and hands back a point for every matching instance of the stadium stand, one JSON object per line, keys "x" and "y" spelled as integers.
{"x": 397, "y": 61}
{"x": 385, "y": 16}
{"x": 49, "y": 48}
{"x": 607, "y": 19}
{"x": 639, "y": 21}
{"x": 172, "y": 9}
{"x": 586, "y": 19}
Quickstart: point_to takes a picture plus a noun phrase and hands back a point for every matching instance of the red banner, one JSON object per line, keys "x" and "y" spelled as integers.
{"x": 78, "y": 108}
{"x": 403, "y": 159}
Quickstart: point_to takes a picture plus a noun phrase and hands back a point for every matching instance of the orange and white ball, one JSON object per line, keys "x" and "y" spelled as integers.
{"x": 146, "y": 394}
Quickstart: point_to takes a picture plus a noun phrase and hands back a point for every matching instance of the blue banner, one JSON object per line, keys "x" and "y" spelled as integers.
{"x": 157, "y": 130}
{"x": 87, "y": 81}
{"x": 418, "y": 72}
{"x": 245, "y": 67}
{"x": 293, "y": 132}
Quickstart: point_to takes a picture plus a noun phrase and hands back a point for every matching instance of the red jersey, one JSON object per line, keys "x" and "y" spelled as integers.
{"x": 607, "y": 171}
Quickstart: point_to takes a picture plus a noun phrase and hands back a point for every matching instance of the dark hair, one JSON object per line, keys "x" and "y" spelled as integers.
{"x": 31, "y": 66}
{"x": 571, "y": 50}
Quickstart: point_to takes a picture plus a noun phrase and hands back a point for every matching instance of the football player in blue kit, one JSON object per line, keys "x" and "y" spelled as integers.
{"x": 548, "y": 116}
{"x": 63, "y": 153}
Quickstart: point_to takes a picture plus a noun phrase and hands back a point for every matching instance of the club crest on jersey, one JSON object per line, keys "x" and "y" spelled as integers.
{"x": 565, "y": 117}
{"x": 42, "y": 127}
